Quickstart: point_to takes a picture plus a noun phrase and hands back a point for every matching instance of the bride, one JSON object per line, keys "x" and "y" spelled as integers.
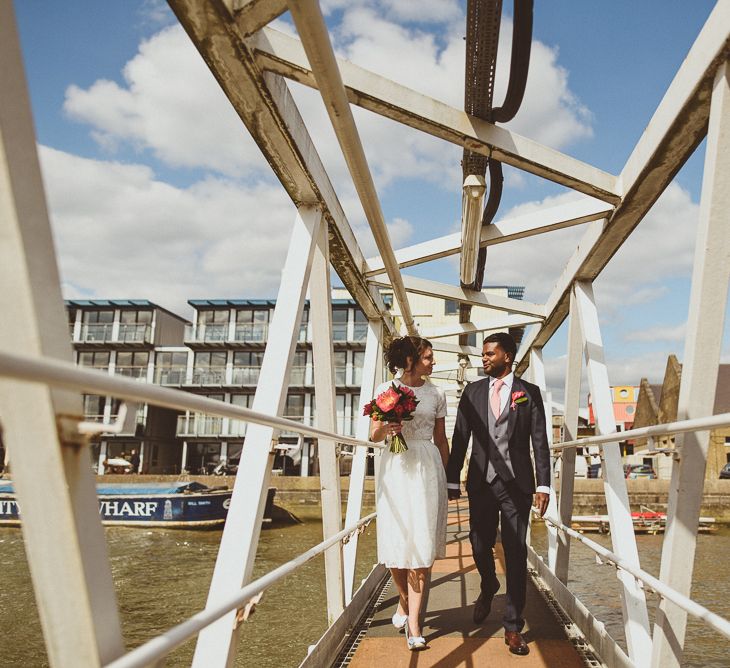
{"x": 411, "y": 494}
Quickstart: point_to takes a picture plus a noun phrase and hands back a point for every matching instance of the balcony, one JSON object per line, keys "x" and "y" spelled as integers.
{"x": 136, "y": 372}
{"x": 296, "y": 418}
{"x": 198, "y": 425}
{"x": 253, "y": 332}
{"x": 206, "y": 333}
{"x": 339, "y": 331}
{"x": 298, "y": 375}
{"x": 135, "y": 333}
{"x": 237, "y": 428}
{"x": 245, "y": 375}
{"x": 171, "y": 375}
{"x": 96, "y": 332}
{"x": 209, "y": 375}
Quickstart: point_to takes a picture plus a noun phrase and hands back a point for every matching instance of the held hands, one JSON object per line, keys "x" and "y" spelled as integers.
{"x": 541, "y": 502}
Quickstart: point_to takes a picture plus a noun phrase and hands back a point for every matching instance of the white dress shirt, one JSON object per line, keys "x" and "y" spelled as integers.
{"x": 504, "y": 394}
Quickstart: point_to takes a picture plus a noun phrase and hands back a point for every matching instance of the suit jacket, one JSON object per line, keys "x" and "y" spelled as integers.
{"x": 526, "y": 423}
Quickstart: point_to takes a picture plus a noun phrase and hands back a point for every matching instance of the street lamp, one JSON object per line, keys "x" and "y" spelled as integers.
{"x": 472, "y": 199}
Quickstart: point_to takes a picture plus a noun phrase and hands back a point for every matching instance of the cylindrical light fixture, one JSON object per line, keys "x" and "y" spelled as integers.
{"x": 472, "y": 203}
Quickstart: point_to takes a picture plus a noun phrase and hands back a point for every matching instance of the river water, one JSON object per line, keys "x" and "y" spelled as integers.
{"x": 162, "y": 578}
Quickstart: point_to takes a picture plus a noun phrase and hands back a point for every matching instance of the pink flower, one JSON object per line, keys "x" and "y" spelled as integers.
{"x": 367, "y": 409}
{"x": 387, "y": 400}
{"x": 516, "y": 396}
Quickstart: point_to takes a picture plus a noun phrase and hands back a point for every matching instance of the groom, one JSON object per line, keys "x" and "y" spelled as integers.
{"x": 502, "y": 414}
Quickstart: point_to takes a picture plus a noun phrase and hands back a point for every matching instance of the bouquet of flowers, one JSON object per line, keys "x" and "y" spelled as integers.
{"x": 396, "y": 404}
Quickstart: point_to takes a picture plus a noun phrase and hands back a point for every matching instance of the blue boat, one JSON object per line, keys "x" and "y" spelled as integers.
{"x": 183, "y": 505}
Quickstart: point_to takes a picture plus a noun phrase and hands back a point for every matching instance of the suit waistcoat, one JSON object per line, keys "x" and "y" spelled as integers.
{"x": 499, "y": 463}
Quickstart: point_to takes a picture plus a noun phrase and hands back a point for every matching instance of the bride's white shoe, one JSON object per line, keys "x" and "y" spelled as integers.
{"x": 414, "y": 642}
{"x": 399, "y": 621}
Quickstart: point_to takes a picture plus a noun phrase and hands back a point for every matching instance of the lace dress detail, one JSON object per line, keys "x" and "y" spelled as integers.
{"x": 411, "y": 493}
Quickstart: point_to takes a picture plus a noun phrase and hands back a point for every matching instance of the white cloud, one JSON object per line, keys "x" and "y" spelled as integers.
{"x": 121, "y": 233}
{"x": 659, "y": 333}
{"x": 170, "y": 105}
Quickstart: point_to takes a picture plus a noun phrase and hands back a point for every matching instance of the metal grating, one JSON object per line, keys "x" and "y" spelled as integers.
{"x": 359, "y": 631}
{"x": 577, "y": 639}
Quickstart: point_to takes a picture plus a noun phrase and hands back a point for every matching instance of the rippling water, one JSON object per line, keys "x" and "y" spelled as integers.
{"x": 598, "y": 588}
{"x": 162, "y": 578}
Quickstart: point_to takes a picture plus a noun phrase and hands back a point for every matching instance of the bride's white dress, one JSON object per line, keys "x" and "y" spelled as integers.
{"x": 411, "y": 495}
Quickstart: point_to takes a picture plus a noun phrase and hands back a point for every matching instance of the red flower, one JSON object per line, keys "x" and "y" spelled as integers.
{"x": 367, "y": 409}
{"x": 387, "y": 400}
{"x": 399, "y": 409}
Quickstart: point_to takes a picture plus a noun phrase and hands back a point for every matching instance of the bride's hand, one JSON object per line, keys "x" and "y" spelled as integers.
{"x": 393, "y": 428}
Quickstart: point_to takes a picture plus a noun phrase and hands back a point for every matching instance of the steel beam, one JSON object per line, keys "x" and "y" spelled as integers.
{"x": 500, "y": 321}
{"x": 252, "y": 15}
{"x": 267, "y": 109}
{"x": 635, "y": 614}
{"x": 312, "y": 29}
{"x": 320, "y": 311}
{"x": 285, "y": 55}
{"x": 54, "y": 483}
{"x": 521, "y": 227}
{"x": 571, "y": 409}
{"x": 702, "y": 349}
{"x": 455, "y": 348}
{"x": 234, "y": 564}
{"x": 371, "y": 373}
{"x": 422, "y": 286}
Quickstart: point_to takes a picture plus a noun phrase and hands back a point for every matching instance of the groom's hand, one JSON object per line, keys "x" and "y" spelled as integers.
{"x": 541, "y": 502}
{"x": 454, "y": 494}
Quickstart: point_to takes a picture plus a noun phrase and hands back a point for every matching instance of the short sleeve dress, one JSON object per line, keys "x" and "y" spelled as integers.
{"x": 411, "y": 497}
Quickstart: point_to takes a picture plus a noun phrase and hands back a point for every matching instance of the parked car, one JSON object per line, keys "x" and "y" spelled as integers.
{"x": 725, "y": 472}
{"x": 641, "y": 471}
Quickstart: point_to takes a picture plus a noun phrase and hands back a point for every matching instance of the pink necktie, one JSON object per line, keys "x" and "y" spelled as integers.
{"x": 494, "y": 400}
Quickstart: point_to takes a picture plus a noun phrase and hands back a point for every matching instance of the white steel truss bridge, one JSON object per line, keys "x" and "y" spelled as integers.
{"x": 40, "y": 389}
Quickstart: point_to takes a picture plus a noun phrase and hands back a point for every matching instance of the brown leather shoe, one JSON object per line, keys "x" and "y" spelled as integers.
{"x": 515, "y": 642}
{"x": 482, "y": 606}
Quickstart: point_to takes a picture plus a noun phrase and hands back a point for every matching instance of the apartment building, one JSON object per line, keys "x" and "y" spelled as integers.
{"x": 121, "y": 337}
{"x": 218, "y": 353}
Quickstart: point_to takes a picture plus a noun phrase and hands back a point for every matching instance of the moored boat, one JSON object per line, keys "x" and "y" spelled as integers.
{"x": 183, "y": 505}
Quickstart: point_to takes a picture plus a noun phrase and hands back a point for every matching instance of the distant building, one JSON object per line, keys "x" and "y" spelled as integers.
{"x": 219, "y": 355}
{"x": 657, "y": 404}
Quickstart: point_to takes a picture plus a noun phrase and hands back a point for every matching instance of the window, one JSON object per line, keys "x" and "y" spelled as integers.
{"x": 303, "y": 327}
{"x": 299, "y": 368}
{"x": 213, "y": 325}
{"x": 94, "y": 359}
{"x": 360, "y": 330}
{"x": 210, "y": 368}
{"x": 387, "y": 298}
{"x": 340, "y": 414}
{"x": 358, "y": 359}
{"x": 238, "y": 427}
{"x": 247, "y": 367}
{"x": 451, "y": 307}
{"x": 171, "y": 368}
{"x": 94, "y": 407}
{"x": 471, "y": 339}
{"x": 252, "y": 325}
{"x": 97, "y": 326}
{"x": 135, "y": 325}
{"x": 340, "y": 358}
{"x": 339, "y": 325}
{"x": 294, "y": 406}
{"x": 727, "y": 441}
{"x": 132, "y": 364}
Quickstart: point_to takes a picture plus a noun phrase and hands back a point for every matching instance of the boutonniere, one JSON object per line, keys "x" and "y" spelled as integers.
{"x": 518, "y": 398}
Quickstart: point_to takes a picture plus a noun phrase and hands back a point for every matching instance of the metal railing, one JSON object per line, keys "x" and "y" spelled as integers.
{"x": 209, "y": 375}
{"x": 138, "y": 372}
{"x": 57, "y": 373}
{"x": 134, "y": 332}
{"x": 162, "y": 645}
{"x": 171, "y": 375}
{"x": 198, "y": 425}
{"x": 96, "y": 332}
{"x": 245, "y": 375}
{"x": 255, "y": 332}
{"x": 206, "y": 332}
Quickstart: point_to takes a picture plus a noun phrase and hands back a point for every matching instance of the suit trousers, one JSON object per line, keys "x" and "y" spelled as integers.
{"x": 487, "y": 503}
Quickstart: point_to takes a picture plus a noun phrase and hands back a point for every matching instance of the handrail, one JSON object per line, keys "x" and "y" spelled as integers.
{"x": 162, "y": 645}
{"x": 720, "y": 624}
{"x": 679, "y": 427}
{"x": 66, "y": 374}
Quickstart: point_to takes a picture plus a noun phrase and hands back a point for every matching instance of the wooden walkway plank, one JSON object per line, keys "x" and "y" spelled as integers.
{"x": 453, "y": 638}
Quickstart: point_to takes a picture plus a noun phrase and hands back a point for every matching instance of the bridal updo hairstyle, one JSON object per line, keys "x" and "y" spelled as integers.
{"x": 400, "y": 349}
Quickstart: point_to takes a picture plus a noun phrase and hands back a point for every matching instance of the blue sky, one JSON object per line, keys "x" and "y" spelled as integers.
{"x": 155, "y": 190}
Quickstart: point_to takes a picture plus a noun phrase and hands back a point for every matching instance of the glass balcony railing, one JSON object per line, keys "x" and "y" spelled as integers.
{"x": 245, "y": 375}
{"x": 252, "y": 332}
{"x": 298, "y": 375}
{"x": 207, "y": 332}
{"x": 199, "y": 425}
{"x": 136, "y": 372}
{"x": 237, "y": 428}
{"x": 172, "y": 375}
{"x": 209, "y": 375}
{"x": 339, "y": 331}
{"x": 96, "y": 332}
{"x": 135, "y": 332}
